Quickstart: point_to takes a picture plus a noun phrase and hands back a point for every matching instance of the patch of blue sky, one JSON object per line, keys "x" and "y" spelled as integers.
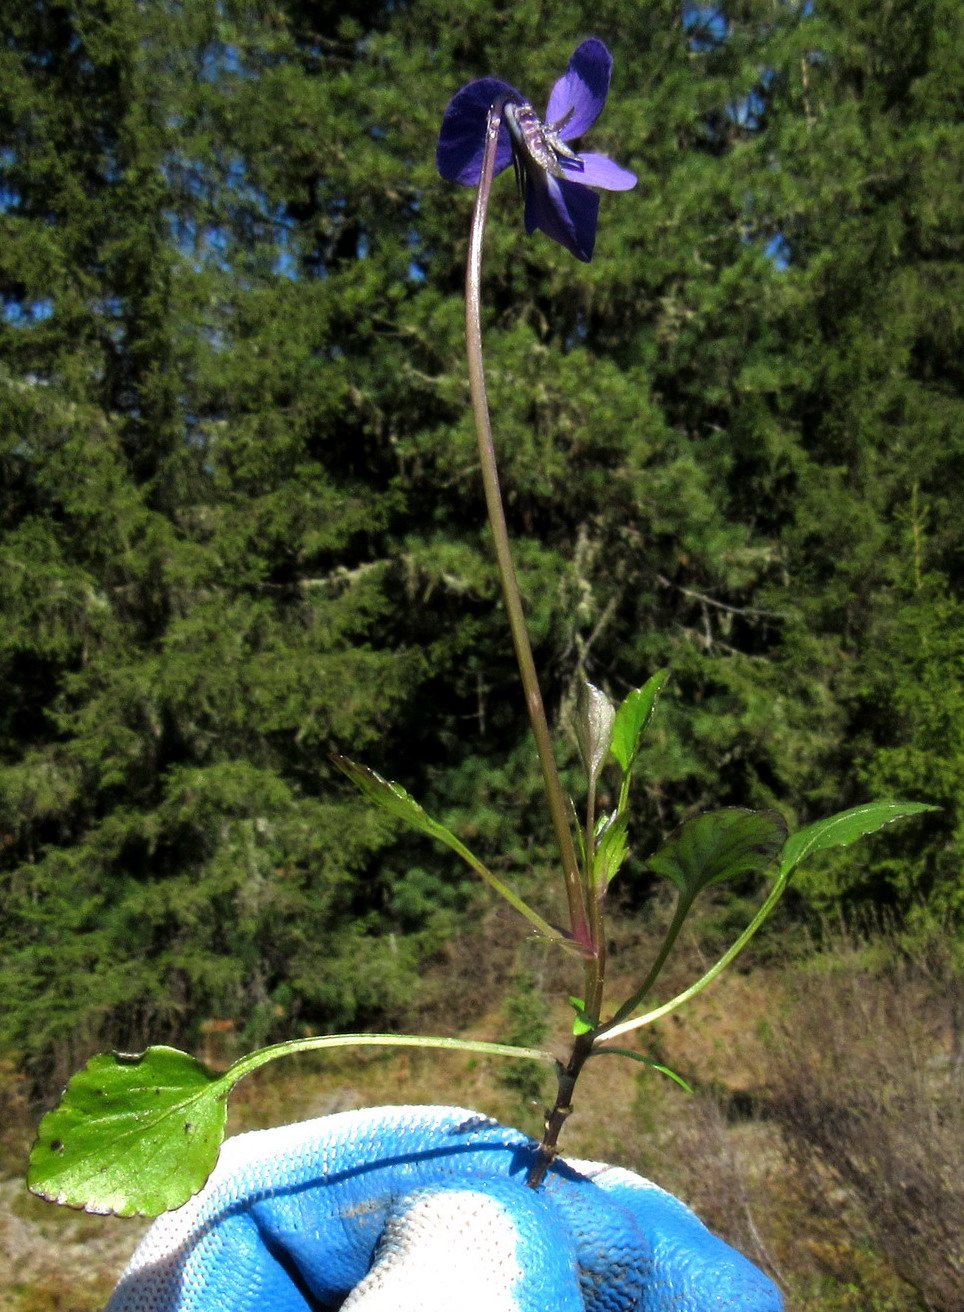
{"x": 9, "y": 196}
{"x": 418, "y": 265}
{"x": 205, "y": 246}
{"x": 775, "y": 246}
{"x": 779, "y": 251}
{"x": 112, "y": 306}
{"x": 747, "y": 113}
{"x": 25, "y": 314}
{"x": 225, "y": 186}
{"x": 706, "y": 25}
{"x": 761, "y": 228}
{"x": 223, "y": 59}
{"x": 205, "y": 180}
{"x": 286, "y": 264}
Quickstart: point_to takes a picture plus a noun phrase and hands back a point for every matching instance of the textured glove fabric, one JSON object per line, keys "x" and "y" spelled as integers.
{"x": 426, "y": 1209}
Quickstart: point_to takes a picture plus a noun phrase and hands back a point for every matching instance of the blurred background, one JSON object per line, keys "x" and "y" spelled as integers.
{"x": 241, "y": 527}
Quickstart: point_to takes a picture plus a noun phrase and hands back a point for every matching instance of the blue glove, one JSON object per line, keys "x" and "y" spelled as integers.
{"x": 426, "y": 1209}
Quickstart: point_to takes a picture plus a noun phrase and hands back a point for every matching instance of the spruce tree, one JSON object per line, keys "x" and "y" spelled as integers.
{"x": 241, "y": 519}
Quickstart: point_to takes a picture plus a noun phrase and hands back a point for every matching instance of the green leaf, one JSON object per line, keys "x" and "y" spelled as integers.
{"x": 844, "y": 828}
{"x": 583, "y": 1022}
{"x": 611, "y": 851}
{"x": 132, "y": 1135}
{"x": 397, "y": 802}
{"x": 595, "y": 716}
{"x": 646, "y": 1061}
{"x": 835, "y": 831}
{"x": 702, "y": 851}
{"x": 632, "y": 718}
{"x": 719, "y": 845}
{"x": 390, "y": 797}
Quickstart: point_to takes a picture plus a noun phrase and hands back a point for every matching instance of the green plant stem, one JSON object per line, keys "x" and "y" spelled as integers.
{"x": 245, "y": 1065}
{"x": 500, "y": 535}
{"x": 628, "y": 1007}
{"x": 555, "y": 1119}
{"x": 613, "y": 1030}
{"x": 595, "y": 967}
{"x": 585, "y": 909}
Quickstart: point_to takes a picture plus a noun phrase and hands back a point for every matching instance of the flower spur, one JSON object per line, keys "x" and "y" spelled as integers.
{"x": 554, "y": 178}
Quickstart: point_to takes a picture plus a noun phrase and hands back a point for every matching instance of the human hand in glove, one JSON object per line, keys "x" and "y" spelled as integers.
{"x": 426, "y": 1209}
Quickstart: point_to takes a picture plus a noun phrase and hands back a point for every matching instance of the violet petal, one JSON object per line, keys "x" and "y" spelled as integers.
{"x": 564, "y": 211}
{"x": 461, "y": 140}
{"x": 583, "y": 88}
{"x": 601, "y": 171}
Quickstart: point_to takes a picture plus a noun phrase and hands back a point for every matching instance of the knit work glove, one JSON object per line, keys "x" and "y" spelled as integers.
{"x": 426, "y": 1209}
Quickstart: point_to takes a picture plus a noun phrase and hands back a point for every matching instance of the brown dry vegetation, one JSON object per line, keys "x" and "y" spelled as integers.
{"x": 826, "y": 1139}
{"x": 866, "y": 1084}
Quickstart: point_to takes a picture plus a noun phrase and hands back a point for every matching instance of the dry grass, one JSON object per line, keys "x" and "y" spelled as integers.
{"x": 868, "y": 1088}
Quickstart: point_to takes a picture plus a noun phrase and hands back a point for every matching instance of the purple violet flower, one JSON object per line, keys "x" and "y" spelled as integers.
{"x": 554, "y": 178}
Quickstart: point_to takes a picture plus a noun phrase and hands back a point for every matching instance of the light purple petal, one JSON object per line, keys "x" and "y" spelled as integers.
{"x": 461, "y": 140}
{"x": 583, "y": 89}
{"x": 563, "y": 210}
{"x": 601, "y": 171}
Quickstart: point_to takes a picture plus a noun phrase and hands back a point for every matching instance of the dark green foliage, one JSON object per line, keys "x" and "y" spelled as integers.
{"x": 239, "y": 507}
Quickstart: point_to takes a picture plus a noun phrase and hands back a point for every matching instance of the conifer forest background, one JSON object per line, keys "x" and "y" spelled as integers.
{"x": 242, "y": 528}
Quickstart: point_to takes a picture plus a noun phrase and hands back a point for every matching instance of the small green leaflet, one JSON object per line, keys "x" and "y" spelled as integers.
{"x": 719, "y": 845}
{"x": 611, "y": 851}
{"x": 133, "y": 1135}
{"x": 583, "y": 1022}
{"x": 633, "y": 716}
{"x": 397, "y": 802}
{"x": 845, "y": 828}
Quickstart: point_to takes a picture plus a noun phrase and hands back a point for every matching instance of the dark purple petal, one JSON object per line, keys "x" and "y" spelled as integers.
{"x": 583, "y": 89}
{"x": 564, "y": 211}
{"x": 461, "y": 140}
{"x": 600, "y": 171}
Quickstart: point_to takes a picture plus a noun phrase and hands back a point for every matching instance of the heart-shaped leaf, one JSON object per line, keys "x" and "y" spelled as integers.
{"x": 845, "y": 827}
{"x": 719, "y": 845}
{"x": 133, "y": 1135}
{"x": 139, "y": 1135}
